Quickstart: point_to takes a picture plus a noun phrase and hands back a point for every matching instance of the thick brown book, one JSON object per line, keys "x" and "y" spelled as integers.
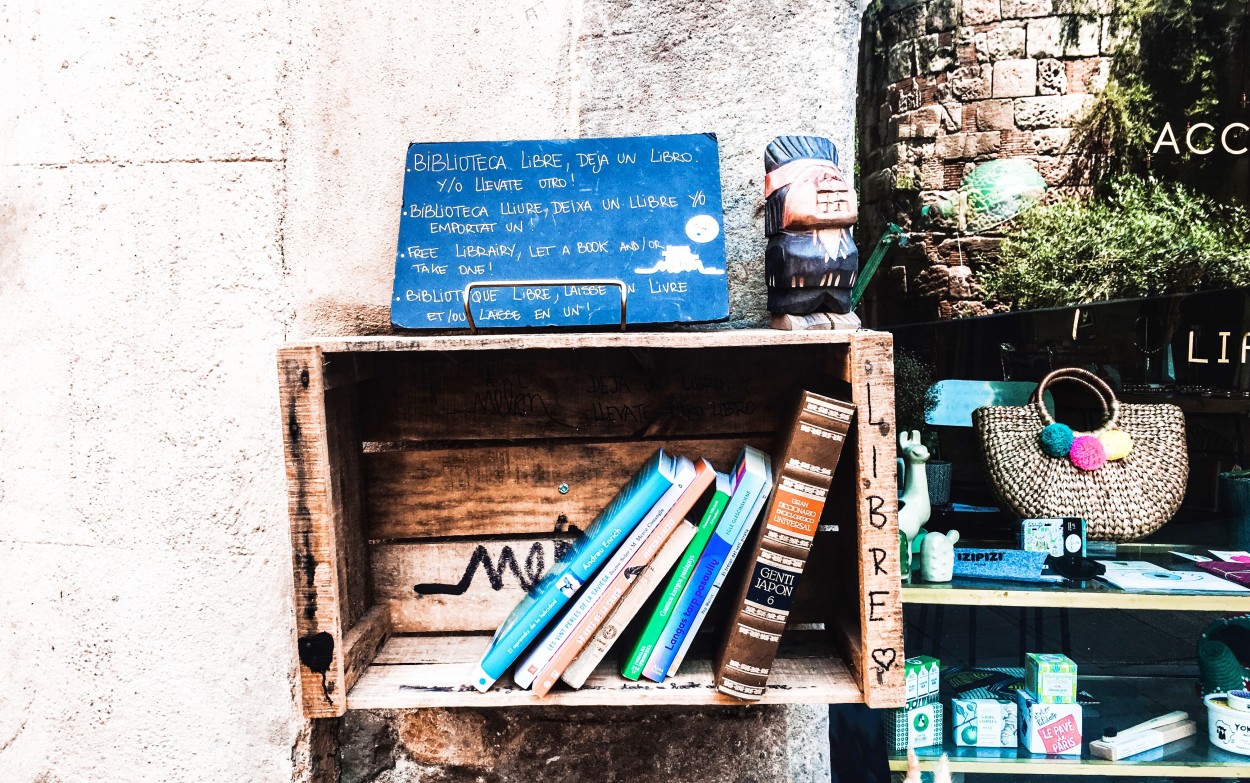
{"x": 781, "y": 545}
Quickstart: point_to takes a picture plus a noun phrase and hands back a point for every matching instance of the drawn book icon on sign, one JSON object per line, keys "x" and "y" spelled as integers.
{"x": 679, "y": 258}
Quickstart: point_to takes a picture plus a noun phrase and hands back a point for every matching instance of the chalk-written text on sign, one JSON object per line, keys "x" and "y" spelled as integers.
{"x": 550, "y": 231}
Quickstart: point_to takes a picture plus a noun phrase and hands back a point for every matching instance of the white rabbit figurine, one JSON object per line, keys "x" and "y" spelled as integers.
{"x": 937, "y": 556}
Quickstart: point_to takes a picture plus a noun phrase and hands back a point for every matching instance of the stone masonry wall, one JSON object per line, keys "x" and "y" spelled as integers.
{"x": 948, "y": 84}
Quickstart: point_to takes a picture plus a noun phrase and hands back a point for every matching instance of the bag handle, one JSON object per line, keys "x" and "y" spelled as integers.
{"x": 1110, "y": 405}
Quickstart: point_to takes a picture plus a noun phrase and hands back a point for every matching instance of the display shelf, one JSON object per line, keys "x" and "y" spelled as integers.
{"x": 1123, "y": 701}
{"x": 432, "y": 480}
{"x": 1094, "y": 594}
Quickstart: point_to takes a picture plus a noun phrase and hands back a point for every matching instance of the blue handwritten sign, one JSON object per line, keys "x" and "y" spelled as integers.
{"x": 564, "y": 232}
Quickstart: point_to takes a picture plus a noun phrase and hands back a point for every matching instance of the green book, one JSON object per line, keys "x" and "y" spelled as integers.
{"x": 672, "y": 591}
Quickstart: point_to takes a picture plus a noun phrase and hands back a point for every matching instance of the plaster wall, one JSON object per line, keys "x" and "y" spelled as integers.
{"x": 185, "y": 185}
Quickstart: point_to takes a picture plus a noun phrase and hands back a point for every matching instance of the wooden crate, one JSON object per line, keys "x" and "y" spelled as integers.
{"x": 432, "y": 479}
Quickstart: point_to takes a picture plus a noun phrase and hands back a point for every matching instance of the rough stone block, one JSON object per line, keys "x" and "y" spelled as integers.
{"x": 906, "y": 24}
{"x": 972, "y": 83}
{"x": 964, "y": 146}
{"x": 1084, "y": 7}
{"x": 932, "y": 56}
{"x": 985, "y": 145}
{"x": 931, "y": 174}
{"x": 1015, "y": 78}
{"x": 995, "y": 115}
{"x": 902, "y": 61}
{"x": 1049, "y": 111}
{"x": 1115, "y": 35}
{"x": 965, "y": 36}
{"x": 922, "y": 123}
{"x": 1056, "y": 170}
{"x": 1052, "y": 77}
{"x": 950, "y": 147}
{"x": 1051, "y": 141}
{"x": 980, "y": 11}
{"x": 1081, "y": 37}
{"x": 1043, "y": 38}
{"x": 878, "y": 185}
{"x": 941, "y": 16}
{"x": 1023, "y": 9}
{"x": 455, "y": 746}
{"x": 952, "y": 116}
{"x": 1002, "y": 43}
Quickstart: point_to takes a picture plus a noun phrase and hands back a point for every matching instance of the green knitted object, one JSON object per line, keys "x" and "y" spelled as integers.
{"x": 1220, "y": 669}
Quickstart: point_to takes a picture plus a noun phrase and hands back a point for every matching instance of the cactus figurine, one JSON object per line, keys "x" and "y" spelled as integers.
{"x": 937, "y": 556}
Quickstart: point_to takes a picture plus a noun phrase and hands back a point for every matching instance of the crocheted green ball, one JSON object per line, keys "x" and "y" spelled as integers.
{"x": 1056, "y": 440}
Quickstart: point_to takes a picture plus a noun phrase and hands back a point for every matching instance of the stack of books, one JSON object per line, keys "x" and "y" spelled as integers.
{"x": 655, "y": 558}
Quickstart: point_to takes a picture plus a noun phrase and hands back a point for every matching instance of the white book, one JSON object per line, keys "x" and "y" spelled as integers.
{"x": 546, "y": 649}
{"x": 644, "y": 585}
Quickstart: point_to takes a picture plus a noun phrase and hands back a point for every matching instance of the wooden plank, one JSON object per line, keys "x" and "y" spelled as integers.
{"x": 527, "y": 489}
{"x": 432, "y": 648}
{"x": 323, "y": 750}
{"x": 448, "y": 586}
{"x": 713, "y": 337}
{"x": 315, "y": 512}
{"x": 607, "y": 394}
{"x": 805, "y": 680}
{"x": 342, "y": 436}
{"x": 880, "y": 661}
{"x": 364, "y": 641}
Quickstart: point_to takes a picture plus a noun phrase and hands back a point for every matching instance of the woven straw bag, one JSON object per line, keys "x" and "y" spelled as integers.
{"x": 1124, "y": 499}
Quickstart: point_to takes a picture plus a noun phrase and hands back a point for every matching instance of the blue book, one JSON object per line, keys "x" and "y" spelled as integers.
{"x": 616, "y": 521}
{"x": 752, "y": 479}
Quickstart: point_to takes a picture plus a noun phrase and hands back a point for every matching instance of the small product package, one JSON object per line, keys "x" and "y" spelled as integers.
{"x": 923, "y": 676}
{"x": 984, "y": 723}
{"x": 913, "y": 727}
{"x": 1056, "y": 537}
{"x": 1051, "y": 677}
{"x": 1053, "y": 729}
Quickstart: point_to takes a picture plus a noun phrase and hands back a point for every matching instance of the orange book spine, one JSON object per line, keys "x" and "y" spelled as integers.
{"x": 585, "y": 630}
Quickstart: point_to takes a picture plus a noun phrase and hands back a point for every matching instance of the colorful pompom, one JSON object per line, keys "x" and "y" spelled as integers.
{"x": 1087, "y": 453}
{"x": 1056, "y": 440}
{"x": 1117, "y": 443}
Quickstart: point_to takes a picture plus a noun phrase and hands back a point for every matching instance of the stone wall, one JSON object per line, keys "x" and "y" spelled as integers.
{"x": 945, "y": 85}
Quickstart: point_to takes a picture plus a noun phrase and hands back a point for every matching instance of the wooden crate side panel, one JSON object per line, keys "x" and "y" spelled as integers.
{"x": 503, "y": 489}
{"x": 879, "y": 659}
{"x": 344, "y": 448}
{"x": 316, "y": 546}
{"x": 615, "y": 393}
{"x": 456, "y": 586}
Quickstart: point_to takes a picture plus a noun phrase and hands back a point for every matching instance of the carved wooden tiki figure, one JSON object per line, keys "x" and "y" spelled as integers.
{"x": 811, "y": 261}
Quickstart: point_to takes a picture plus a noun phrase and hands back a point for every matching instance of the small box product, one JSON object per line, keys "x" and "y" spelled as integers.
{"x": 1051, "y": 677}
{"x": 1049, "y": 728}
{"x": 984, "y": 723}
{"x": 1056, "y": 537}
{"x": 923, "y": 675}
{"x": 914, "y": 727}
